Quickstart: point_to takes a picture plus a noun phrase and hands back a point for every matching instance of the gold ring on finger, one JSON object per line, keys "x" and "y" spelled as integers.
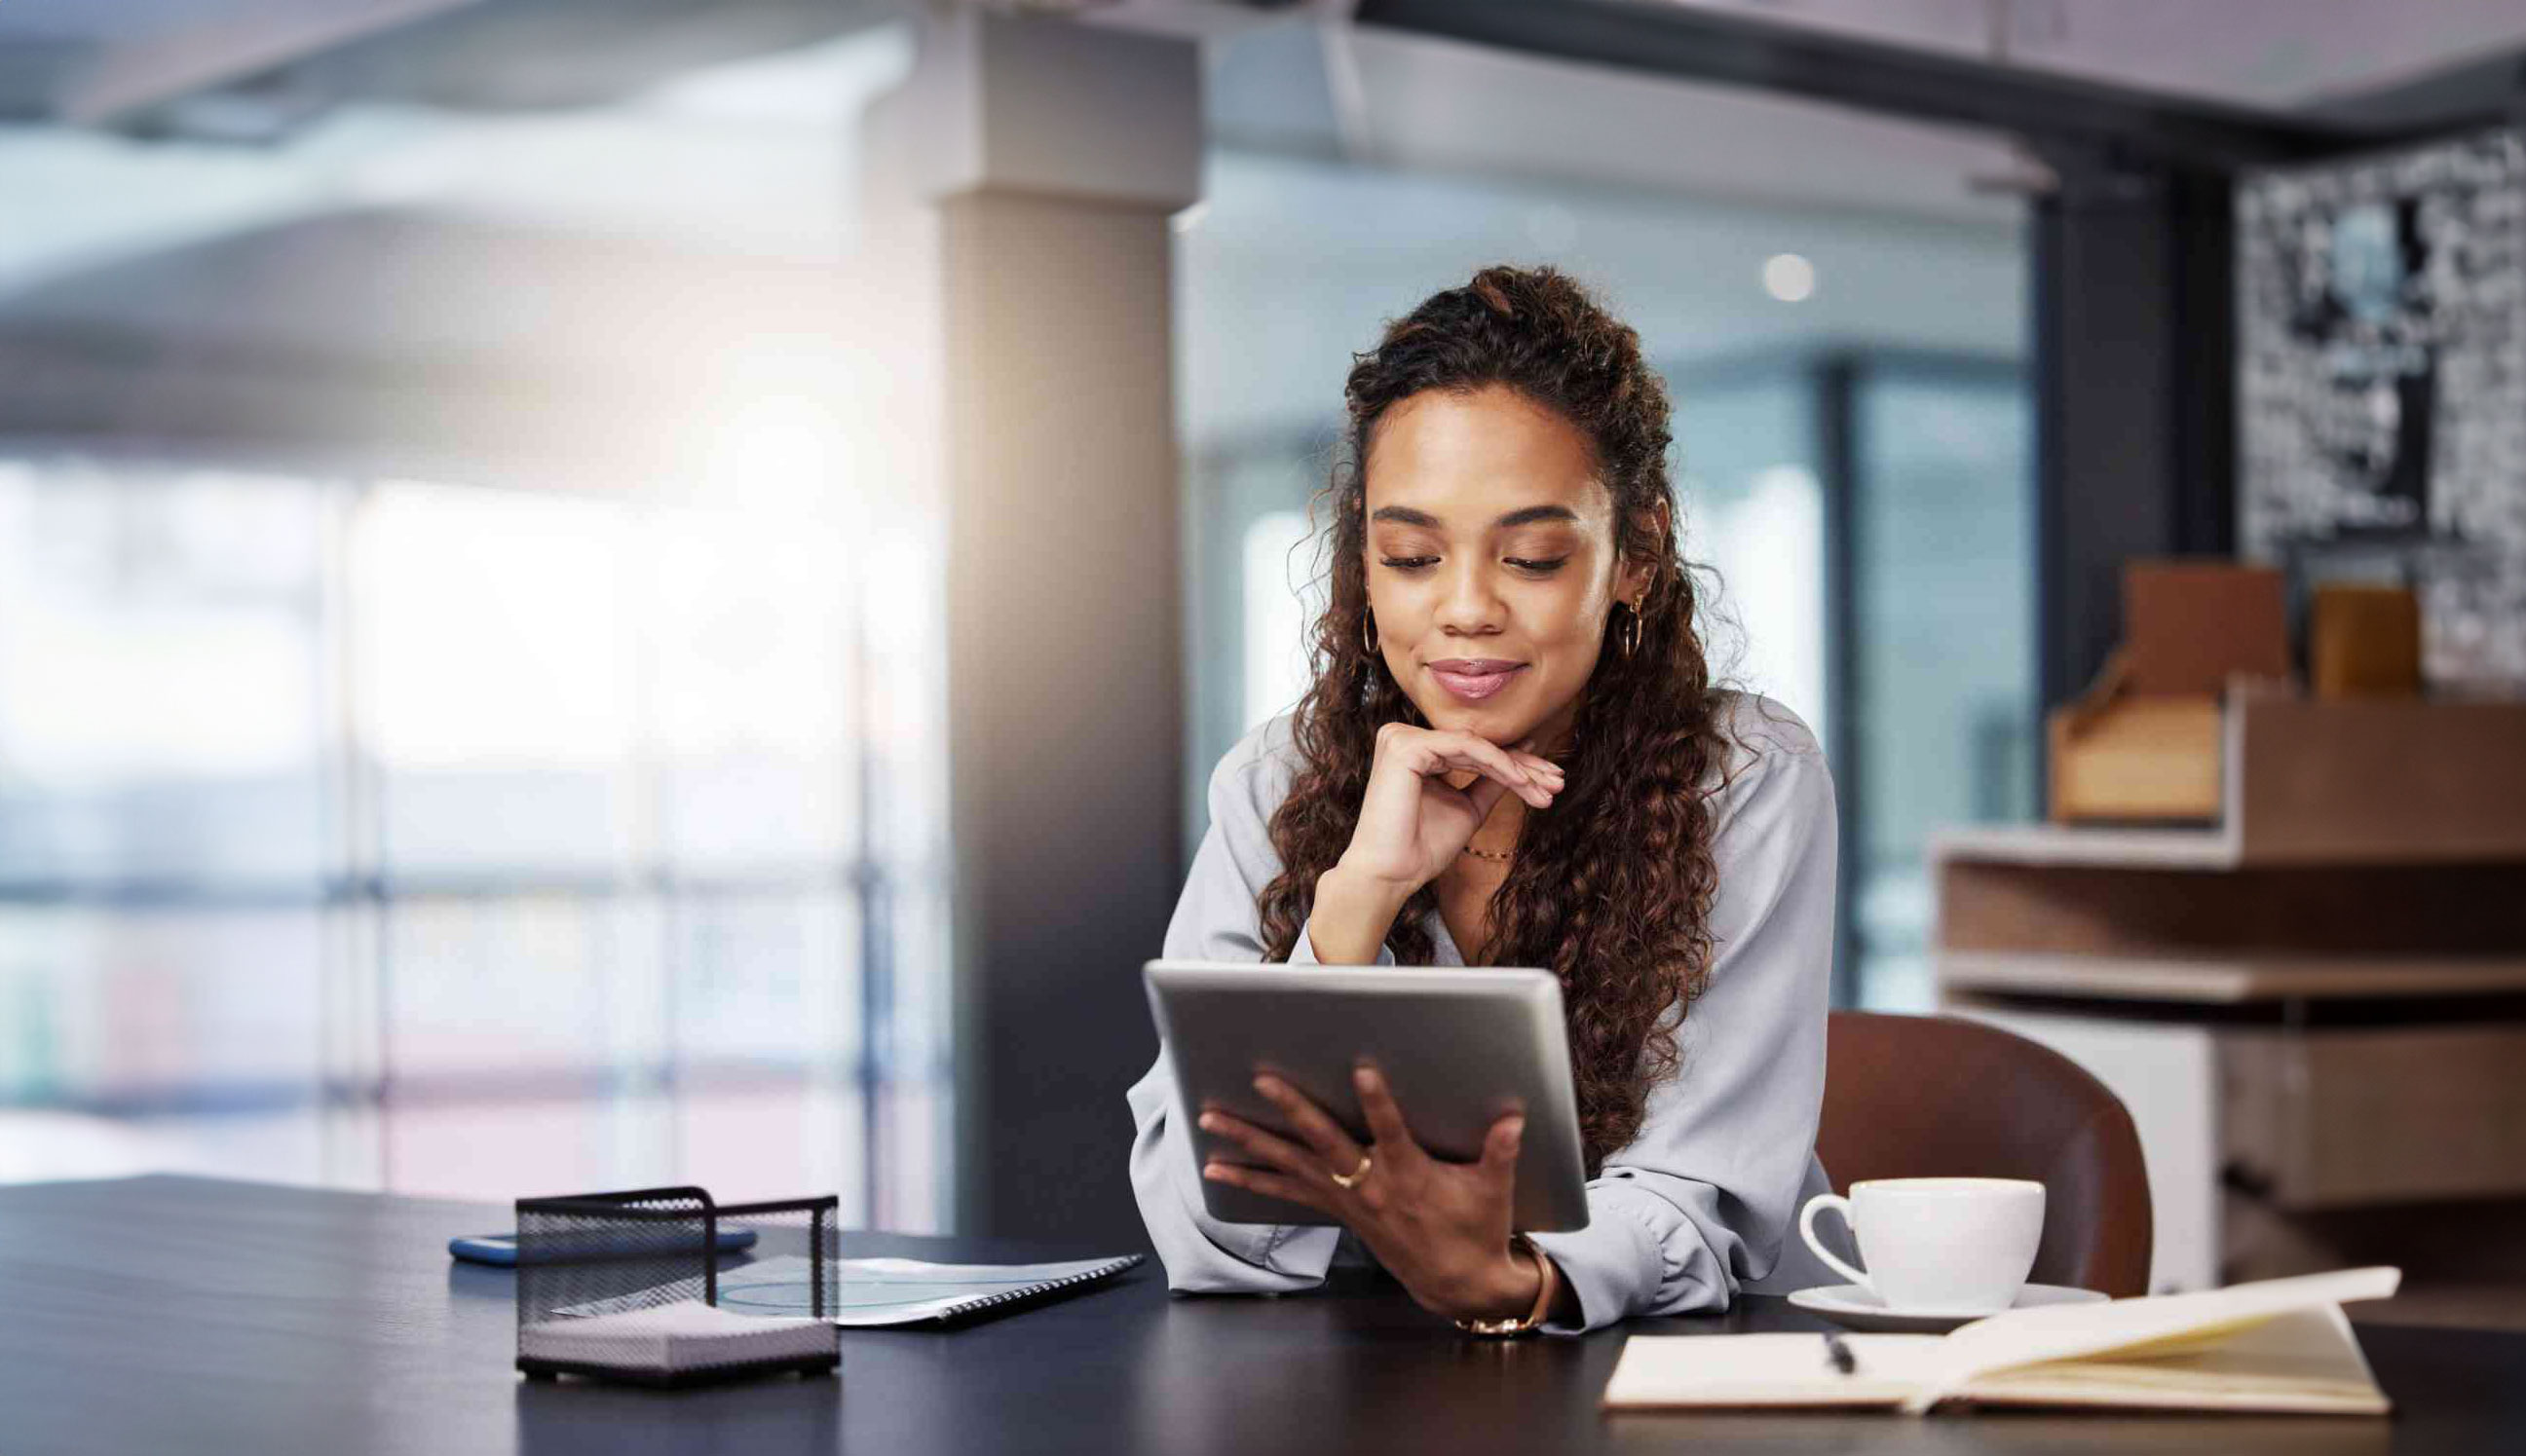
{"x": 1356, "y": 1174}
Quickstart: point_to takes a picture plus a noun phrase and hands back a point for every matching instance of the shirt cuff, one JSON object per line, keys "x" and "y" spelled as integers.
{"x": 1619, "y": 1265}
{"x": 1261, "y": 1258}
{"x": 1203, "y": 1254}
{"x": 1303, "y": 953}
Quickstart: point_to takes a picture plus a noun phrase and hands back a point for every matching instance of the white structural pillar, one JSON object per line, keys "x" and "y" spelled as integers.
{"x": 1054, "y": 154}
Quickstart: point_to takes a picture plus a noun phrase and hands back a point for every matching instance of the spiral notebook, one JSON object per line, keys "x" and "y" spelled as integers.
{"x": 880, "y": 1292}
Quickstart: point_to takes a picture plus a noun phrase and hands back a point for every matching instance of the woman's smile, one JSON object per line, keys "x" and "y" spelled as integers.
{"x": 1474, "y": 679}
{"x": 1490, "y": 559}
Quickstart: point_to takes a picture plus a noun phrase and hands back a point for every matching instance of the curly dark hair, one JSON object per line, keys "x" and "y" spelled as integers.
{"x": 1612, "y": 887}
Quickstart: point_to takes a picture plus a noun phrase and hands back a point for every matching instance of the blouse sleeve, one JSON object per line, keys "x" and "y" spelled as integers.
{"x": 1701, "y": 1203}
{"x": 1216, "y": 921}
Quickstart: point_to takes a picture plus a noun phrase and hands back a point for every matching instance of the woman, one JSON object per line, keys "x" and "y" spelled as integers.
{"x": 1512, "y": 754}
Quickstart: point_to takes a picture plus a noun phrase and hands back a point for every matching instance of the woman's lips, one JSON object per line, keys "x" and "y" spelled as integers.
{"x": 1475, "y": 679}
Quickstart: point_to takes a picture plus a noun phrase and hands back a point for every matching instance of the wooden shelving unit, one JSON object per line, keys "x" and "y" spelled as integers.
{"x": 2306, "y": 783}
{"x": 2316, "y": 1009}
{"x": 2228, "y": 980}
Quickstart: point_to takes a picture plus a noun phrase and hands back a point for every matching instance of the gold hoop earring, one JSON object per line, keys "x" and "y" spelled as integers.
{"x": 1368, "y": 631}
{"x": 1627, "y": 632}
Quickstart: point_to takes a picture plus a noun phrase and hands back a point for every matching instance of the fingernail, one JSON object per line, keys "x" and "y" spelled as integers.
{"x": 1267, "y": 1086}
{"x": 1211, "y": 1171}
{"x": 1364, "y": 1079}
{"x": 1208, "y": 1124}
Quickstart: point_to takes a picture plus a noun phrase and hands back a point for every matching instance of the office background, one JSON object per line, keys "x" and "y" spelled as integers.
{"x": 517, "y": 675}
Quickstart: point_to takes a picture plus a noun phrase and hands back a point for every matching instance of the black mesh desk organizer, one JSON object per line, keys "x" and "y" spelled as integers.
{"x": 615, "y": 1254}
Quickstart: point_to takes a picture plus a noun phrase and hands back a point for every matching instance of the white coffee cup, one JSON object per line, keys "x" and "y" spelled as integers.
{"x": 1937, "y": 1245}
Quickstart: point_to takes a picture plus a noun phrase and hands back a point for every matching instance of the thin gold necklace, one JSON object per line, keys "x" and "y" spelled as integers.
{"x": 1493, "y": 857}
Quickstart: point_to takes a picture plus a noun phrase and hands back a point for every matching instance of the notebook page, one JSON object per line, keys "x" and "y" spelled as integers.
{"x": 2132, "y": 1327}
{"x": 892, "y": 1291}
{"x": 872, "y": 1292}
{"x": 2308, "y": 1359}
{"x": 1767, "y": 1370}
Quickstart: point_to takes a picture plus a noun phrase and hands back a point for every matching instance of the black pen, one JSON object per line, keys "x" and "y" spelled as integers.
{"x": 1840, "y": 1354}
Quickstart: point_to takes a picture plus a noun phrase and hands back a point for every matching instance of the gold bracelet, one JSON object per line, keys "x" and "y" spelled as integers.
{"x": 1549, "y": 1284}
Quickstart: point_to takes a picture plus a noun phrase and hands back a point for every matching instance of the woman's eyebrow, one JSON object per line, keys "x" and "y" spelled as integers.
{"x": 1406, "y": 515}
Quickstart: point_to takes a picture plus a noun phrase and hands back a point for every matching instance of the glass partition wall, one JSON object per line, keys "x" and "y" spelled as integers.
{"x": 464, "y": 842}
{"x": 1939, "y": 596}
{"x": 1870, "y": 514}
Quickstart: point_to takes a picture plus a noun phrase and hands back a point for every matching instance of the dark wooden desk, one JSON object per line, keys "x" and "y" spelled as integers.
{"x": 185, "y": 1315}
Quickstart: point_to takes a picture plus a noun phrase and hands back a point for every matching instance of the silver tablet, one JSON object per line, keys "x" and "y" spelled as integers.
{"x": 1459, "y": 1047}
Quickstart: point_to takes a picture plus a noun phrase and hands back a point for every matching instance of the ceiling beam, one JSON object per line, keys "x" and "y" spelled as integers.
{"x": 2469, "y": 95}
{"x": 2129, "y": 125}
{"x": 123, "y": 63}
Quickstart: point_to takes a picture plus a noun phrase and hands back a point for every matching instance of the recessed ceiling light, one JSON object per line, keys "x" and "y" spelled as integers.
{"x": 1789, "y": 278}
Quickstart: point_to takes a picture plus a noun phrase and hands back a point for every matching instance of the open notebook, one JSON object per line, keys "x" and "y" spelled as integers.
{"x": 2276, "y": 1345}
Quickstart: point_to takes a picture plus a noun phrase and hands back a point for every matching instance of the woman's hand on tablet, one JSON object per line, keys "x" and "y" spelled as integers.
{"x": 1440, "y": 1228}
{"x": 1412, "y": 825}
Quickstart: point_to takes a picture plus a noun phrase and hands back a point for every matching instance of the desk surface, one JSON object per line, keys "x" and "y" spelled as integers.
{"x": 168, "y": 1313}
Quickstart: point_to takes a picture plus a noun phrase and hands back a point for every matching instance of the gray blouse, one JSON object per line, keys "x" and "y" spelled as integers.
{"x": 1705, "y": 1202}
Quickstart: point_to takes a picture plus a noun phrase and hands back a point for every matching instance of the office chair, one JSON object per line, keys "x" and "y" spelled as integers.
{"x": 1936, "y": 1096}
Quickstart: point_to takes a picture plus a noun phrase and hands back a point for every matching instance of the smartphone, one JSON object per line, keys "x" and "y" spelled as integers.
{"x": 502, "y": 1248}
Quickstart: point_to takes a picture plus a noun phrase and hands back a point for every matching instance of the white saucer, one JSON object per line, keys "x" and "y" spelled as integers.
{"x": 1854, "y": 1308}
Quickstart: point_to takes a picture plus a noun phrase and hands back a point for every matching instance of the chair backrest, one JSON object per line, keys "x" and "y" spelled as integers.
{"x": 1930, "y": 1096}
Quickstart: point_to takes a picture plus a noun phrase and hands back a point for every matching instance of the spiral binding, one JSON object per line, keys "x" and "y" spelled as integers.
{"x": 983, "y": 1302}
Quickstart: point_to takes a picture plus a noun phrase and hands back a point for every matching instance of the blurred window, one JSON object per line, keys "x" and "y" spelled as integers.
{"x": 1942, "y": 614}
{"x": 1281, "y": 605}
{"x": 161, "y": 713}
{"x": 460, "y": 840}
{"x": 1753, "y": 513}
